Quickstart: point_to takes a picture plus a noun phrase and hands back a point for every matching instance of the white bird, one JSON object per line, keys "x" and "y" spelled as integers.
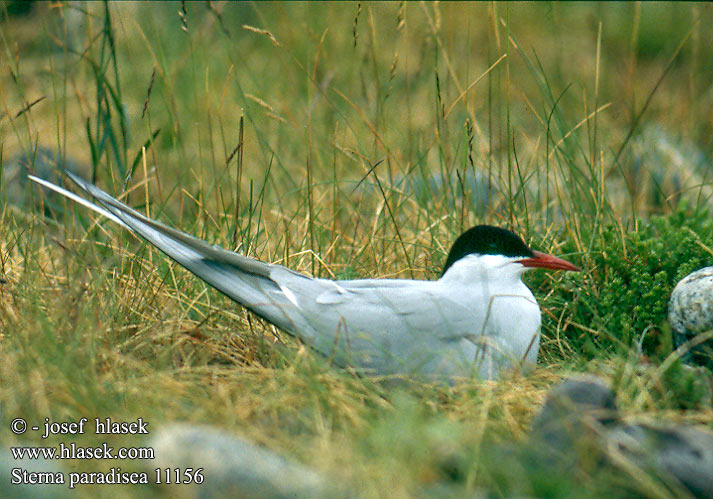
{"x": 477, "y": 319}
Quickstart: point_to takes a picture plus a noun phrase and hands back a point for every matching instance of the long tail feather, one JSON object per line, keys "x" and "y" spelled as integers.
{"x": 241, "y": 278}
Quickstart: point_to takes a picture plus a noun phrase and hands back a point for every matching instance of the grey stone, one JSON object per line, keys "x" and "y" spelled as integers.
{"x": 572, "y": 420}
{"x": 44, "y": 163}
{"x": 666, "y": 168}
{"x": 582, "y": 394}
{"x": 10, "y": 489}
{"x": 690, "y": 310}
{"x": 472, "y": 184}
{"x": 579, "y": 427}
{"x": 232, "y": 466}
{"x": 681, "y": 452}
{"x": 423, "y": 187}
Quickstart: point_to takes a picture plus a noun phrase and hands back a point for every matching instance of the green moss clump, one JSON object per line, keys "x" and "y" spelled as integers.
{"x": 624, "y": 289}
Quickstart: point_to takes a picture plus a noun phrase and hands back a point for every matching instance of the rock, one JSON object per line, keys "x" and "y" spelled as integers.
{"x": 473, "y": 184}
{"x": 680, "y": 452}
{"x": 665, "y": 168}
{"x": 232, "y": 467}
{"x": 570, "y": 424}
{"x": 427, "y": 188}
{"x": 690, "y": 312}
{"x": 43, "y": 163}
{"x": 579, "y": 428}
{"x": 583, "y": 395}
{"x": 11, "y": 489}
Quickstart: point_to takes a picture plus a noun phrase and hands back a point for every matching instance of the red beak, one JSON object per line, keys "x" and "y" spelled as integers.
{"x": 545, "y": 261}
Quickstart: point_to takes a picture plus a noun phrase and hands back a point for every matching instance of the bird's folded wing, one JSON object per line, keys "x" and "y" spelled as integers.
{"x": 416, "y": 304}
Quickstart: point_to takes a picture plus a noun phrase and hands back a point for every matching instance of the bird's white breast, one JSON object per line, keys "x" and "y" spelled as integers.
{"x": 504, "y": 312}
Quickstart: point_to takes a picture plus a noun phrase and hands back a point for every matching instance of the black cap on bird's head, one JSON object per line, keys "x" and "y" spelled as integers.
{"x": 489, "y": 240}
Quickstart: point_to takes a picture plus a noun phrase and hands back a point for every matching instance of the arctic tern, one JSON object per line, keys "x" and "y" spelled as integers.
{"x": 477, "y": 319}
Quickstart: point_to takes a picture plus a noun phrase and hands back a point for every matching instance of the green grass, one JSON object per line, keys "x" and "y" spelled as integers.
{"x": 252, "y": 128}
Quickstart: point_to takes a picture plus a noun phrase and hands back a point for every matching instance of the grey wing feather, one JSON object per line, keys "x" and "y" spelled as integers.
{"x": 393, "y": 326}
{"x": 245, "y": 280}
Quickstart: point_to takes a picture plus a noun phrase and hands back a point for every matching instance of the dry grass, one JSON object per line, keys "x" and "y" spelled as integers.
{"x": 543, "y": 101}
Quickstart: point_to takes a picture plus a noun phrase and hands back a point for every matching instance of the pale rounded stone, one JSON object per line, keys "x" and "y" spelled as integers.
{"x": 690, "y": 310}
